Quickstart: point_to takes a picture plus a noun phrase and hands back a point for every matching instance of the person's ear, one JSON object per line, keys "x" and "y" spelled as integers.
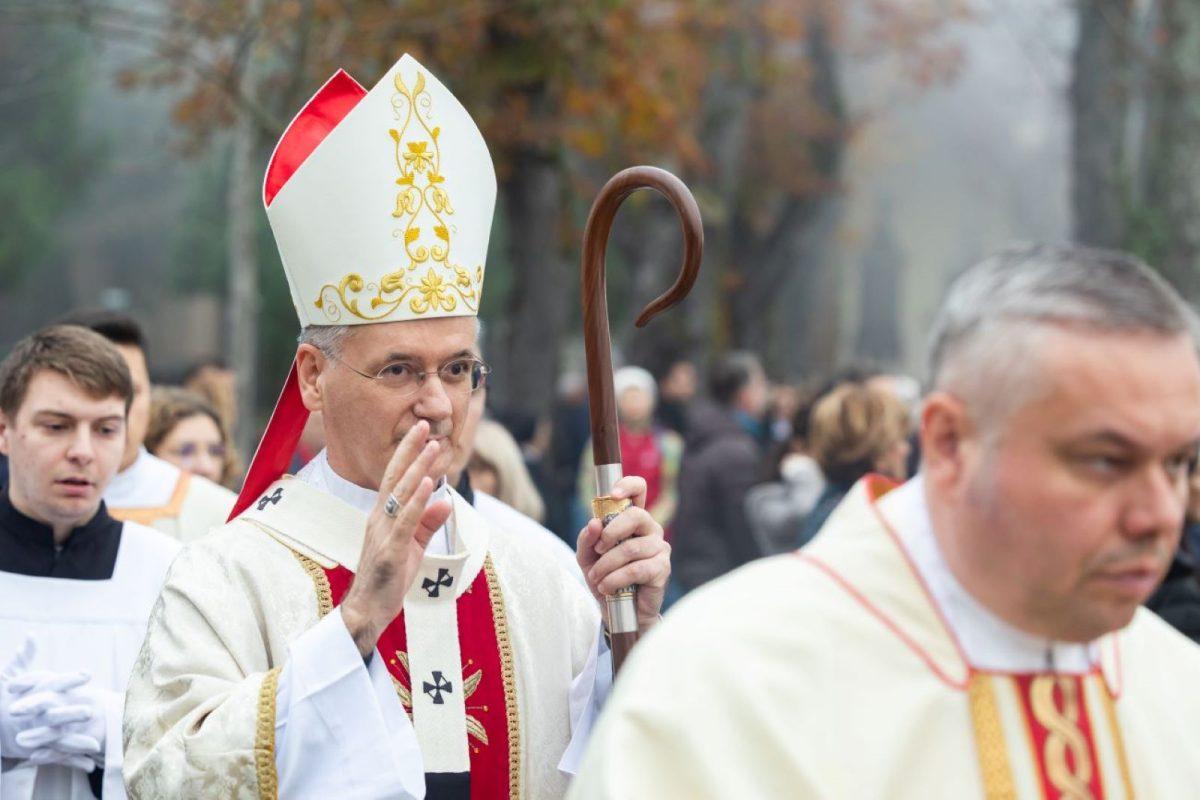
{"x": 5, "y": 433}
{"x": 944, "y": 429}
{"x": 311, "y": 364}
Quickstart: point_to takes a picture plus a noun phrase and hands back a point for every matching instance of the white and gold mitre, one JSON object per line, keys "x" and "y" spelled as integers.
{"x": 381, "y": 202}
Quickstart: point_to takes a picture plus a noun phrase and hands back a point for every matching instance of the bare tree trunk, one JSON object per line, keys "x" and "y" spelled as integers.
{"x": 537, "y": 310}
{"x": 879, "y": 323}
{"x": 766, "y": 265}
{"x": 654, "y": 253}
{"x": 1100, "y": 95}
{"x": 241, "y": 210}
{"x": 1169, "y": 222}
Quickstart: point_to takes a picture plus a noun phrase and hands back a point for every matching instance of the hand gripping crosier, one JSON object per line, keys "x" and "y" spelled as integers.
{"x": 606, "y": 445}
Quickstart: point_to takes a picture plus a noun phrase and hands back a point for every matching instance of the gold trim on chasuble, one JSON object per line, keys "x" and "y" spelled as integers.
{"x": 507, "y": 671}
{"x": 422, "y": 203}
{"x": 994, "y": 766}
{"x": 508, "y": 674}
{"x": 1118, "y": 741}
{"x": 320, "y": 584}
{"x": 264, "y": 738}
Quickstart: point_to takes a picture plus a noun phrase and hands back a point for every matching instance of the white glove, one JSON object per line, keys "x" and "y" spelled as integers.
{"x": 63, "y": 719}
{"x": 10, "y": 727}
{"x": 72, "y": 750}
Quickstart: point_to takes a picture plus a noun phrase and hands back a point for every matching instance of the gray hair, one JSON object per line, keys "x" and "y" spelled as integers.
{"x": 330, "y": 338}
{"x": 983, "y": 335}
{"x": 326, "y": 338}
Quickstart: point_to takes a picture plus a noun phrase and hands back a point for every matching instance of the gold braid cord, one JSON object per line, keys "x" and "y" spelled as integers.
{"x": 508, "y": 674}
{"x": 989, "y": 740}
{"x": 264, "y": 738}
{"x": 320, "y": 584}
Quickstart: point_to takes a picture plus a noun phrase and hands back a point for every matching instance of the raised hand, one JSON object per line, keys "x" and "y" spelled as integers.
{"x": 630, "y": 550}
{"x": 398, "y": 530}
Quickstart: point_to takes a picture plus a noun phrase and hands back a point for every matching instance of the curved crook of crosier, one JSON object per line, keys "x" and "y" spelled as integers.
{"x": 597, "y": 336}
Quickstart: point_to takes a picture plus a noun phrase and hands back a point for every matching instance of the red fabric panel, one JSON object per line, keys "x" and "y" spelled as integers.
{"x": 480, "y": 652}
{"x": 1040, "y": 734}
{"x": 320, "y": 115}
{"x": 274, "y": 453}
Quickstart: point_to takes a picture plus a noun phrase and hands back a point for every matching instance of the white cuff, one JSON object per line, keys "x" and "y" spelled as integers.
{"x": 339, "y": 728}
{"x": 589, "y": 691}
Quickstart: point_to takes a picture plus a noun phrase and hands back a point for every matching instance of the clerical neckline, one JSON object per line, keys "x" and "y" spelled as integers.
{"x": 27, "y": 546}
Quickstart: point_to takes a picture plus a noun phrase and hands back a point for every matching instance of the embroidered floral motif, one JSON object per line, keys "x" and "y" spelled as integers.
{"x": 423, "y": 206}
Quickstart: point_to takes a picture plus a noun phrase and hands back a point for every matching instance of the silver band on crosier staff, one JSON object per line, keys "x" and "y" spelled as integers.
{"x": 391, "y": 505}
{"x": 607, "y": 476}
{"x": 621, "y": 606}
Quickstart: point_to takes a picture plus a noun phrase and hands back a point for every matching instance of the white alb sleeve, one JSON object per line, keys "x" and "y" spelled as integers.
{"x": 340, "y": 730}
{"x": 589, "y": 690}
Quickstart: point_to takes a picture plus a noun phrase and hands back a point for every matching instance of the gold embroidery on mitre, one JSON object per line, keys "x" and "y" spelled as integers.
{"x": 423, "y": 206}
{"x": 1071, "y": 778}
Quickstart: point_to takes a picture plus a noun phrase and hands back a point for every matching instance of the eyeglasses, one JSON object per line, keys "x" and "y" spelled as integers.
{"x": 190, "y": 450}
{"x": 460, "y": 375}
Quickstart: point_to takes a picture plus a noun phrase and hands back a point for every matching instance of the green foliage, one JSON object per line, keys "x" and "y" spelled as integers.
{"x": 48, "y": 157}
{"x": 198, "y": 247}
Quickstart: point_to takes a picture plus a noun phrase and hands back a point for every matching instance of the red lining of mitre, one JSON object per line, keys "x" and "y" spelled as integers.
{"x": 308, "y": 128}
{"x": 278, "y": 444}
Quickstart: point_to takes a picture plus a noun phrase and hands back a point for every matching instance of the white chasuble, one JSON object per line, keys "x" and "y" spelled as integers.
{"x": 159, "y": 495}
{"x": 249, "y": 684}
{"x": 94, "y": 626}
{"x": 834, "y": 673}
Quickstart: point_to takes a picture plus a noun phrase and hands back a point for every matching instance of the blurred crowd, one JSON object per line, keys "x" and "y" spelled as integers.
{"x": 738, "y": 466}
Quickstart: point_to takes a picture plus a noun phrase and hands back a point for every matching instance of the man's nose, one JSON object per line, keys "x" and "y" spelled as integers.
{"x": 433, "y": 401}
{"x": 1157, "y": 505}
{"x": 81, "y": 449}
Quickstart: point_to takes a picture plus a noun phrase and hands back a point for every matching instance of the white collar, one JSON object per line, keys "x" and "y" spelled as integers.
{"x": 148, "y": 482}
{"x": 988, "y": 642}
{"x": 320, "y": 475}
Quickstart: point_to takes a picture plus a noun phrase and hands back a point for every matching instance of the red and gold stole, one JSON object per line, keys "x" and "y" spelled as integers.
{"x": 1062, "y": 732}
{"x": 487, "y": 680}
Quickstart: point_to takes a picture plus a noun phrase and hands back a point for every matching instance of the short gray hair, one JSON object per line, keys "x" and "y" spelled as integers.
{"x": 330, "y": 338}
{"x": 326, "y": 338}
{"x": 985, "y": 324}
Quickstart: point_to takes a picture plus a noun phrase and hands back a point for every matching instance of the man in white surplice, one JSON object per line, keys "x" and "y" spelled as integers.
{"x": 76, "y": 585}
{"x": 360, "y": 630}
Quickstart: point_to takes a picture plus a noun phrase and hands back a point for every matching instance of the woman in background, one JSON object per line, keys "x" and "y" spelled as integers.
{"x": 496, "y": 467}
{"x": 857, "y": 429}
{"x": 647, "y": 450}
{"x": 186, "y": 430}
